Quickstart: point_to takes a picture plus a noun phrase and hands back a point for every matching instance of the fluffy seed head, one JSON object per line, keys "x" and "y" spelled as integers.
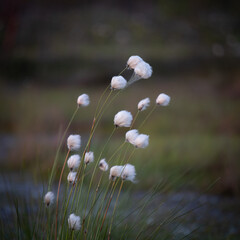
{"x": 73, "y": 162}
{"x": 72, "y": 177}
{"x": 74, "y": 142}
{"x": 133, "y": 61}
{"x": 74, "y": 222}
{"x": 128, "y": 173}
{"x": 143, "y": 69}
{"x": 131, "y": 135}
{"x": 163, "y": 99}
{"x": 143, "y": 104}
{"x": 123, "y": 119}
{"x": 49, "y": 198}
{"x": 103, "y": 165}
{"x": 89, "y": 157}
{"x": 115, "y": 172}
{"x": 118, "y": 82}
{"x": 141, "y": 141}
{"x": 83, "y": 100}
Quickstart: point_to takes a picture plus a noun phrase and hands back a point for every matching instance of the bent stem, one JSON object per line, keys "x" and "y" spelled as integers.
{"x": 108, "y": 206}
{"x": 58, "y": 149}
{"x": 100, "y": 99}
{"x": 134, "y": 119}
{"x": 90, "y": 184}
{"x": 149, "y": 114}
{"x": 59, "y": 184}
{"x": 109, "y": 233}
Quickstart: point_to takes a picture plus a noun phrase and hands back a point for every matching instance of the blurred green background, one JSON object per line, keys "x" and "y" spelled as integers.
{"x": 51, "y": 52}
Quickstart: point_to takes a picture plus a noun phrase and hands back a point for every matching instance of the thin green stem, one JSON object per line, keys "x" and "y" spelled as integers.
{"x": 59, "y": 184}
{"x": 90, "y": 184}
{"x": 100, "y": 99}
{"x": 58, "y": 150}
{"x": 134, "y": 119}
{"x": 107, "y": 206}
{"x": 149, "y": 114}
{"x": 109, "y": 233}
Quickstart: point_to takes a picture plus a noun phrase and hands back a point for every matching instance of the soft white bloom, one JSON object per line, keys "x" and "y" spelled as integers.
{"x": 133, "y": 61}
{"x": 74, "y": 142}
{"x": 128, "y": 173}
{"x": 131, "y": 135}
{"x": 141, "y": 141}
{"x": 74, "y": 222}
{"x": 83, "y": 100}
{"x": 72, "y": 177}
{"x": 49, "y": 198}
{"x": 143, "y": 69}
{"x": 89, "y": 157}
{"x": 115, "y": 172}
{"x": 103, "y": 165}
{"x": 163, "y": 99}
{"x": 123, "y": 119}
{"x": 118, "y": 82}
{"x": 73, "y": 162}
{"x": 143, "y": 104}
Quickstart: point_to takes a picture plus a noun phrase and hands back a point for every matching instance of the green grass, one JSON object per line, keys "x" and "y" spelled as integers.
{"x": 196, "y": 136}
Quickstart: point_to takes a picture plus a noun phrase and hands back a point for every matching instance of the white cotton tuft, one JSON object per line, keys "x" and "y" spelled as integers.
{"x": 141, "y": 141}
{"x": 74, "y": 142}
{"x": 118, "y": 82}
{"x": 74, "y": 162}
{"x": 163, "y": 99}
{"x": 49, "y": 198}
{"x": 133, "y": 61}
{"x": 123, "y": 119}
{"x": 143, "y": 104}
{"x": 128, "y": 173}
{"x": 131, "y": 135}
{"x": 103, "y": 165}
{"x": 89, "y": 157}
{"x": 72, "y": 177}
{"x": 74, "y": 222}
{"x": 83, "y": 100}
{"x": 143, "y": 69}
{"x": 115, "y": 172}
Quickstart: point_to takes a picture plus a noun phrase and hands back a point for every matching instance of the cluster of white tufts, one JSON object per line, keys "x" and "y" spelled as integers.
{"x": 74, "y": 162}
{"x": 141, "y": 69}
{"x": 103, "y": 165}
{"x": 126, "y": 172}
{"x": 131, "y": 136}
{"x": 72, "y": 177}
{"x": 89, "y": 157}
{"x": 123, "y": 119}
{"x": 133, "y": 61}
{"x": 136, "y": 139}
{"x": 115, "y": 172}
{"x": 74, "y": 222}
{"x": 49, "y": 198}
{"x": 143, "y": 104}
{"x": 118, "y": 82}
{"x": 74, "y": 142}
{"x": 163, "y": 99}
{"x": 83, "y": 100}
{"x": 141, "y": 141}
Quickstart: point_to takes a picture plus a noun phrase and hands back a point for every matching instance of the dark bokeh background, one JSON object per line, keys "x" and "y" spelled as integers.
{"x": 52, "y": 51}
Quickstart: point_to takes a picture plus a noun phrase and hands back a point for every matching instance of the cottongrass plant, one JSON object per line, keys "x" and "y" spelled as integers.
{"x": 93, "y": 206}
{"x": 87, "y": 208}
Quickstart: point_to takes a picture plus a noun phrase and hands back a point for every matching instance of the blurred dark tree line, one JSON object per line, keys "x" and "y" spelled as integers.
{"x": 54, "y": 40}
